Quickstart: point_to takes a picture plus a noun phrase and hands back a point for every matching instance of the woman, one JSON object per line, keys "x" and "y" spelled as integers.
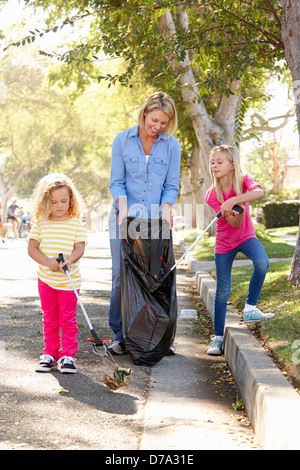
{"x": 144, "y": 182}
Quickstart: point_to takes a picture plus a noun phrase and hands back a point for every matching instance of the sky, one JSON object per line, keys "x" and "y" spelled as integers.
{"x": 15, "y": 10}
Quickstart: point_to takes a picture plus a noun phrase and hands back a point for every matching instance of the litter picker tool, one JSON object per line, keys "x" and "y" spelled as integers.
{"x": 97, "y": 340}
{"x": 237, "y": 209}
{"x": 120, "y": 375}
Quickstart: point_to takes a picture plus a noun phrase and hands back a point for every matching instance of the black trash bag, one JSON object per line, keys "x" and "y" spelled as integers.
{"x": 148, "y": 307}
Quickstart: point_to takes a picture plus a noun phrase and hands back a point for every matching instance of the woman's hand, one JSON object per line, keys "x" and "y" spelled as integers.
{"x": 123, "y": 209}
{"x": 167, "y": 214}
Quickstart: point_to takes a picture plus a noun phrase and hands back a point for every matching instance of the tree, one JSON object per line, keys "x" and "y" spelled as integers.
{"x": 209, "y": 46}
{"x": 291, "y": 39}
{"x": 42, "y": 130}
{"x": 26, "y": 125}
{"x": 160, "y": 33}
{"x": 45, "y": 129}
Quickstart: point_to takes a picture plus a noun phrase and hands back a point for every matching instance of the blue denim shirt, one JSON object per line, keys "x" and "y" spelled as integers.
{"x": 146, "y": 185}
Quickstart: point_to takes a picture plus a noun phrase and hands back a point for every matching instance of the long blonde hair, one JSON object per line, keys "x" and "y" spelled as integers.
{"x": 42, "y": 196}
{"x": 233, "y": 156}
{"x": 159, "y": 100}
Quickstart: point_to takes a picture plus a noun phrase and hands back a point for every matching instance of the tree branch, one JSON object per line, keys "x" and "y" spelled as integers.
{"x": 264, "y": 126}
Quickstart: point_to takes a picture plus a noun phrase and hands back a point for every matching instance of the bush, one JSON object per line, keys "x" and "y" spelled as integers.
{"x": 281, "y": 214}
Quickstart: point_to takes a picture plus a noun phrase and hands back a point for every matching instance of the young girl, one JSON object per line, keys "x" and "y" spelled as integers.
{"x": 234, "y": 233}
{"x": 57, "y": 228}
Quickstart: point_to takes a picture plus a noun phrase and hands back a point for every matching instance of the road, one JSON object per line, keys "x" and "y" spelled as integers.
{"x": 155, "y": 411}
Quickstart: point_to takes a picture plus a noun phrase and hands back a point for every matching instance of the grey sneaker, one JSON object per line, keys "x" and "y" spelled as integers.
{"x": 116, "y": 347}
{"x": 255, "y": 316}
{"x": 67, "y": 365}
{"x": 216, "y": 347}
{"x": 47, "y": 363}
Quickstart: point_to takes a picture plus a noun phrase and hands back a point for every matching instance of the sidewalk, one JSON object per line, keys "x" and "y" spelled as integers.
{"x": 272, "y": 404}
{"x": 189, "y": 407}
{"x": 182, "y": 403}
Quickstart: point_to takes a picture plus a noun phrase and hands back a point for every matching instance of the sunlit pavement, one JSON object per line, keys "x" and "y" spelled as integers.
{"x": 18, "y": 272}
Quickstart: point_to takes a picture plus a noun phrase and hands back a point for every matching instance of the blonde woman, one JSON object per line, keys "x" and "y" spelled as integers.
{"x": 234, "y": 233}
{"x": 57, "y": 228}
{"x": 144, "y": 182}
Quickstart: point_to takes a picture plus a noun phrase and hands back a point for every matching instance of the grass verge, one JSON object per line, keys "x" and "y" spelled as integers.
{"x": 274, "y": 246}
{"x": 281, "y": 334}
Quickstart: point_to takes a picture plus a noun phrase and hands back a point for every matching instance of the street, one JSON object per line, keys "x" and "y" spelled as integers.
{"x": 184, "y": 402}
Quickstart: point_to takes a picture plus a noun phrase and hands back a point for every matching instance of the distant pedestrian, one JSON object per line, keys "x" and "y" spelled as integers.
{"x": 57, "y": 228}
{"x": 1, "y": 225}
{"x": 12, "y": 212}
{"x": 235, "y": 233}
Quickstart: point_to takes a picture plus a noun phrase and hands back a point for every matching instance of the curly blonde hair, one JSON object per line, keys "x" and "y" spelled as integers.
{"x": 42, "y": 196}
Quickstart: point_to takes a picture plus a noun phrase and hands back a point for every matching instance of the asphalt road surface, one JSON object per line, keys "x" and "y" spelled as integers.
{"x": 61, "y": 412}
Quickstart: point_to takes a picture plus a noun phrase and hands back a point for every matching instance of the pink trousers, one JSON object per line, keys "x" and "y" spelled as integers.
{"x": 59, "y": 321}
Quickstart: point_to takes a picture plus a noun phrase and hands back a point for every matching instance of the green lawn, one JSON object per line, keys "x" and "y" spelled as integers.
{"x": 282, "y": 332}
{"x": 274, "y": 246}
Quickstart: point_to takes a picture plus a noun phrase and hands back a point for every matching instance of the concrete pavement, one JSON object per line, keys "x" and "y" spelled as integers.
{"x": 272, "y": 404}
{"x": 185, "y": 409}
{"x": 182, "y": 403}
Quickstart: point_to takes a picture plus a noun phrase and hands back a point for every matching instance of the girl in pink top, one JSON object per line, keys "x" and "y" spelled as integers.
{"x": 234, "y": 233}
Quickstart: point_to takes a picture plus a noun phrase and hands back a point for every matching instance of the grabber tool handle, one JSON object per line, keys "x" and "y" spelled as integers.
{"x": 61, "y": 259}
{"x": 237, "y": 209}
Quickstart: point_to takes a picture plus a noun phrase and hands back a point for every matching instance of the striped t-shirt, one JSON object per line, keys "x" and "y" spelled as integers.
{"x": 54, "y": 238}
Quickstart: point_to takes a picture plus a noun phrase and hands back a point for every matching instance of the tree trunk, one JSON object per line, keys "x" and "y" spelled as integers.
{"x": 291, "y": 41}
{"x": 209, "y": 131}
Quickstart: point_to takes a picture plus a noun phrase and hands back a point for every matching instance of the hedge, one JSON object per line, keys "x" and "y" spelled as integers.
{"x": 281, "y": 214}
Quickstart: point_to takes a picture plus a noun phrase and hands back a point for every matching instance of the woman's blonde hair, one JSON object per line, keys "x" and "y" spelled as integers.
{"x": 233, "y": 156}
{"x": 159, "y": 100}
{"x": 42, "y": 196}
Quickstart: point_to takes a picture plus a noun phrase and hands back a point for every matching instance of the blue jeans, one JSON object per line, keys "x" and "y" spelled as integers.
{"x": 256, "y": 253}
{"x": 114, "y": 314}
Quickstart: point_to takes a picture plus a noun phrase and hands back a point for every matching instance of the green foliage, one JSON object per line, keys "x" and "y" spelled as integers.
{"x": 224, "y": 38}
{"x": 45, "y": 129}
{"x": 281, "y": 214}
